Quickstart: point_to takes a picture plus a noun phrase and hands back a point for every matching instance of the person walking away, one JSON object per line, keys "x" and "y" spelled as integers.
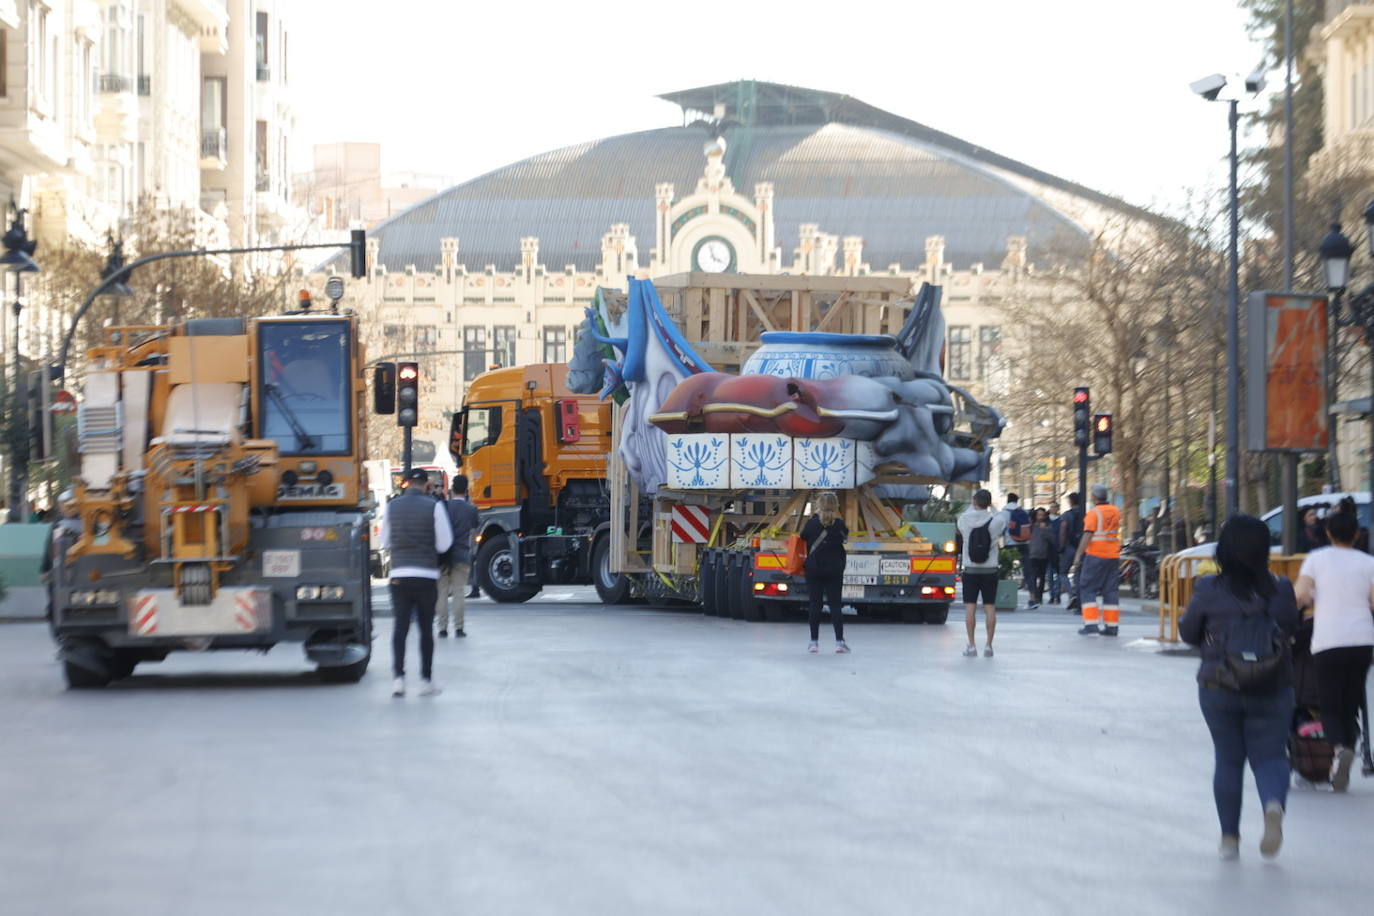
{"x": 1070, "y": 533}
{"x": 416, "y": 530}
{"x": 1347, "y": 505}
{"x": 1312, "y": 534}
{"x": 1040, "y": 550}
{"x": 825, "y": 534}
{"x": 457, "y": 563}
{"x": 1053, "y": 577}
{"x": 1099, "y": 572}
{"x": 980, "y": 530}
{"x": 1243, "y": 619}
{"x": 1338, "y": 583}
{"x": 1018, "y": 535}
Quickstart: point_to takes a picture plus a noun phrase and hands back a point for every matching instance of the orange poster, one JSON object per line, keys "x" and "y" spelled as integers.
{"x": 1295, "y": 379}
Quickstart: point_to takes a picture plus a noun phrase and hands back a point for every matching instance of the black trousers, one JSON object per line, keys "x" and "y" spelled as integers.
{"x": 1340, "y": 680}
{"x": 1037, "y": 569}
{"x": 413, "y": 598}
{"x": 829, "y": 589}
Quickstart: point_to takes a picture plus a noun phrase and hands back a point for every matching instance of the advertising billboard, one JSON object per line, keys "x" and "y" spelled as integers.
{"x": 1286, "y": 406}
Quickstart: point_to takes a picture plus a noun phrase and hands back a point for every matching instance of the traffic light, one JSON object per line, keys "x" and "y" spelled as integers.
{"x": 384, "y": 388}
{"x": 1102, "y": 434}
{"x": 407, "y": 394}
{"x": 38, "y": 397}
{"x": 1082, "y": 417}
{"x": 357, "y": 252}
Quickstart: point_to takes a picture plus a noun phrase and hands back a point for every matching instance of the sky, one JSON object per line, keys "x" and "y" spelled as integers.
{"x": 1094, "y": 91}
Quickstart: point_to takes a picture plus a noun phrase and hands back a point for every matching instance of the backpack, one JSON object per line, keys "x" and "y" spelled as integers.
{"x": 980, "y": 542}
{"x": 1253, "y": 658}
{"x": 1018, "y": 525}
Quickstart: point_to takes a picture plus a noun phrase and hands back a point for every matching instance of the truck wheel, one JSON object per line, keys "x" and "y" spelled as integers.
{"x": 79, "y": 678}
{"x": 496, "y": 572}
{"x": 345, "y": 674}
{"x": 611, "y": 588}
{"x": 122, "y": 664}
{"x": 750, "y": 607}
{"x": 735, "y": 589}
{"x": 937, "y": 614}
{"x": 706, "y": 574}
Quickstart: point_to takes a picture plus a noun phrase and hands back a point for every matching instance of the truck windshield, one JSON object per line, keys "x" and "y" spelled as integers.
{"x": 305, "y": 400}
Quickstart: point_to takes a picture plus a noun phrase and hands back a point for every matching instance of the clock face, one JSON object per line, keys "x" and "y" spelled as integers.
{"x": 714, "y": 255}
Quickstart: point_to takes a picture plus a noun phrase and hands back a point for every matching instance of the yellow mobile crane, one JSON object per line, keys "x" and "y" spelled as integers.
{"x": 220, "y": 497}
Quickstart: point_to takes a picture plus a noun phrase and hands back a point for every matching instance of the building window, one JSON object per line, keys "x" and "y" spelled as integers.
{"x": 555, "y": 345}
{"x": 39, "y": 66}
{"x": 503, "y": 339}
{"x": 474, "y": 352}
{"x": 393, "y": 332}
{"x": 264, "y": 73}
{"x": 264, "y": 182}
{"x": 960, "y": 345}
{"x": 426, "y": 338}
{"x": 4, "y": 61}
{"x": 989, "y": 343}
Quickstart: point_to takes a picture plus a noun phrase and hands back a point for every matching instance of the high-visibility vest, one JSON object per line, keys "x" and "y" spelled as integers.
{"x": 1106, "y": 542}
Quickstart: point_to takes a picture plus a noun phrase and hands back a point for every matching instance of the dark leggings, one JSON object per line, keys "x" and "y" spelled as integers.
{"x": 828, "y": 589}
{"x": 1341, "y": 675}
{"x": 1036, "y": 578}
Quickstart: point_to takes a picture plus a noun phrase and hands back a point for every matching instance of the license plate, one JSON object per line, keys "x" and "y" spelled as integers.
{"x": 281, "y": 564}
{"x": 860, "y": 580}
{"x": 851, "y": 591}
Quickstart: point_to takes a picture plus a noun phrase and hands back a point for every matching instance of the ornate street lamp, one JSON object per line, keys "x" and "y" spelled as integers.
{"x": 1335, "y": 252}
{"x": 18, "y": 259}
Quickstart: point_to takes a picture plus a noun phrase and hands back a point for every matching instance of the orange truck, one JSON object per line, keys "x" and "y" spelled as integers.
{"x": 535, "y": 454}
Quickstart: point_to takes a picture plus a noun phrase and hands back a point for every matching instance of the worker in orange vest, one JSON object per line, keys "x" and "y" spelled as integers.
{"x": 1099, "y": 572}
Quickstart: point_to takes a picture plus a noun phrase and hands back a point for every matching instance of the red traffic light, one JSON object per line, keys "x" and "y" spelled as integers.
{"x": 1080, "y": 395}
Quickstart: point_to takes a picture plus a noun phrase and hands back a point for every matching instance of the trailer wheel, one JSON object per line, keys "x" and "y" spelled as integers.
{"x": 611, "y": 588}
{"x": 937, "y": 614}
{"x": 706, "y": 575}
{"x": 721, "y": 583}
{"x": 496, "y": 572}
{"x": 751, "y": 608}
{"x": 734, "y": 588}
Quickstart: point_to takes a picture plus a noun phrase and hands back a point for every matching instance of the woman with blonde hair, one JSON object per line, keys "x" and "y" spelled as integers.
{"x": 825, "y": 534}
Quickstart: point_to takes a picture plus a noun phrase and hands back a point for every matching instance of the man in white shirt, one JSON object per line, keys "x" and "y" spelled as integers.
{"x": 1338, "y": 583}
{"x": 416, "y": 530}
{"x": 980, "y": 563}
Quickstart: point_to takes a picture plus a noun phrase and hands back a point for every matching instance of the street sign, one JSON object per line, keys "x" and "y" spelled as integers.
{"x": 63, "y": 402}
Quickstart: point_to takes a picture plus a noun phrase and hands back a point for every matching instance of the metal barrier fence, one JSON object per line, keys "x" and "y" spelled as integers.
{"x": 1177, "y": 575}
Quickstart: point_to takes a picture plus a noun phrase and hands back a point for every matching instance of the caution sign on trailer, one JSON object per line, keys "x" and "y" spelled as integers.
{"x": 691, "y": 524}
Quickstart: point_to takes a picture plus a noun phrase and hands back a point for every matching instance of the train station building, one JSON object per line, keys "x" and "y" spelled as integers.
{"x": 758, "y": 178}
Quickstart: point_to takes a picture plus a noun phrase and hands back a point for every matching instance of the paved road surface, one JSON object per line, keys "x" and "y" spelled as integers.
{"x": 605, "y": 760}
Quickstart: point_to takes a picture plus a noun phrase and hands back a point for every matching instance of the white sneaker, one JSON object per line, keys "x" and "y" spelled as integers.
{"x": 430, "y": 689}
{"x": 1273, "y": 830}
{"x": 841, "y": 648}
{"x": 813, "y": 647}
{"x": 971, "y": 652}
{"x": 987, "y": 653}
{"x": 398, "y": 687}
{"x": 1229, "y": 849}
{"x": 1340, "y": 768}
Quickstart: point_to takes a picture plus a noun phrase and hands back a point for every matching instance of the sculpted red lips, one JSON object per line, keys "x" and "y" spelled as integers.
{"x": 719, "y": 403}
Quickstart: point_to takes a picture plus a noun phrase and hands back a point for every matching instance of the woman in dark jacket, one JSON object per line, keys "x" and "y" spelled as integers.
{"x": 825, "y": 534}
{"x": 1043, "y": 552}
{"x": 1244, "y": 725}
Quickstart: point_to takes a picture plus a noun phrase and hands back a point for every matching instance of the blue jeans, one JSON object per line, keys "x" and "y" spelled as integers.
{"x": 1253, "y": 727}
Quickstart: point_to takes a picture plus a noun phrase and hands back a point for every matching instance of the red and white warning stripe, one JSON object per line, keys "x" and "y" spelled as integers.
{"x": 691, "y": 524}
{"x": 179, "y": 509}
{"x": 145, "y": 615}
{"x": 246, "y": 611}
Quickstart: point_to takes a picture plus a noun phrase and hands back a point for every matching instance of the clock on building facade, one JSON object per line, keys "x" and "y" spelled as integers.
{"x": 714, "y": 255}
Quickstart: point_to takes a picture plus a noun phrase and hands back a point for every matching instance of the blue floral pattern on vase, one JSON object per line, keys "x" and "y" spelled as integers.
{"x": 812, "y": 355}
{"x": 821, "y": 464}
{"x": 698, "y": 461}
{"x": 762, "y": 460}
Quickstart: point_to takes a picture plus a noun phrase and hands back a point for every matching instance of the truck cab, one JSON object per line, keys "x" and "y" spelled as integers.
{"x": 534, "y": 454}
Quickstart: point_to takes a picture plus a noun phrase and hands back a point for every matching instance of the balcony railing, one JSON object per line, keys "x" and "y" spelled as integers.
{"x": 264, "y": 73}
{"x": 145, "y": 84}
{"x": 114, "y": 82}
{"x": 214, "y": 144}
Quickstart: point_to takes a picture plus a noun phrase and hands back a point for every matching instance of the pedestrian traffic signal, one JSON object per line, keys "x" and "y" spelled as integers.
{"x": 384, "y": 388}
{"x": 1082, "y": 414}
{"x": 407, "y": 394}
{"x": 1102, "y": 434}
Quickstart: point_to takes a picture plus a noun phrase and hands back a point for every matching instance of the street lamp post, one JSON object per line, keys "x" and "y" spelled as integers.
{"x": 1210, "y": 87}
{"x": 1335, "y": 253}
{"x": 18, "y": 258}
{"x": 1165, "y": 336}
